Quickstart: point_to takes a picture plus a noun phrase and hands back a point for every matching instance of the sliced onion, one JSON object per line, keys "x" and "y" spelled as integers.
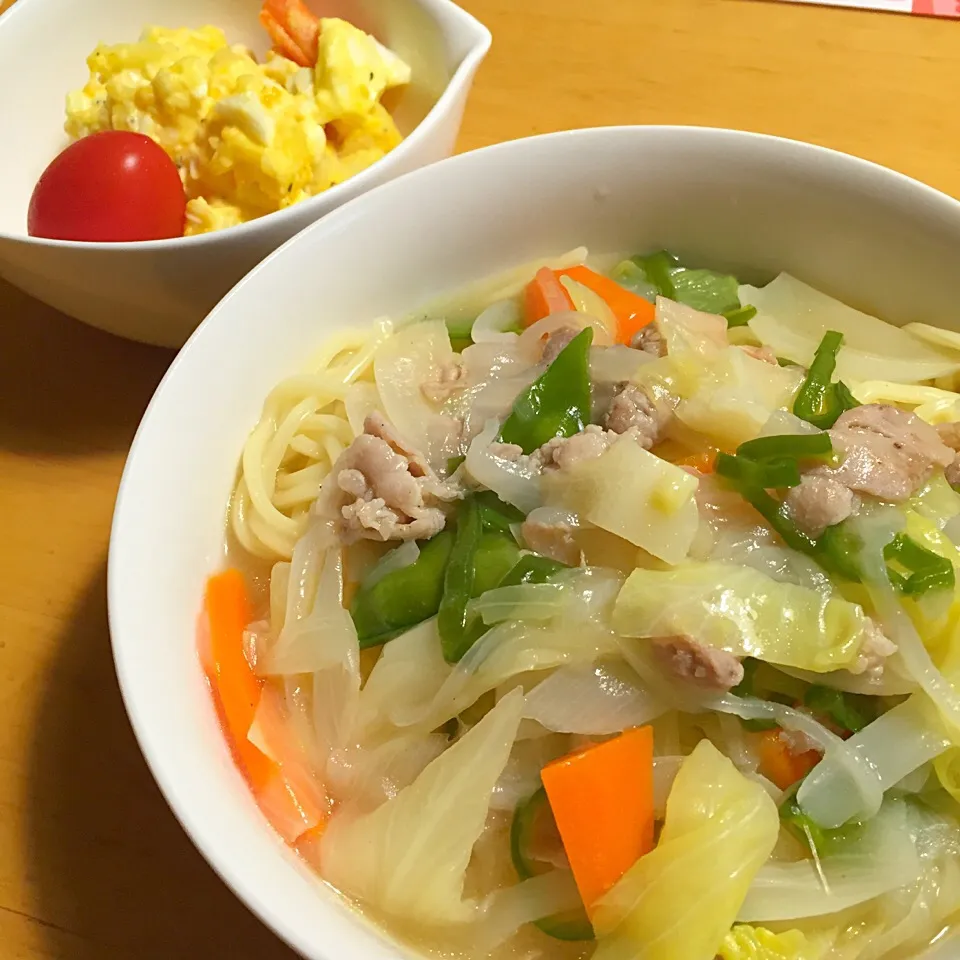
{"x": 402, "y": 364}
{"x": 516, "y": 482}
{"x": 594, "y": 700}
{"x": 617, "y": 363}
{"x": 592, "y": 304}
{"x": 495, "y": 322}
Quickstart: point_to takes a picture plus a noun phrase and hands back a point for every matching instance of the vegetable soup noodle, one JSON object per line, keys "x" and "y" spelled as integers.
{"x": 608, "y": 609}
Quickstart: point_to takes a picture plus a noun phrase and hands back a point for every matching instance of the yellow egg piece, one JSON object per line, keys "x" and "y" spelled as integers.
{"x": 248, "y": 138}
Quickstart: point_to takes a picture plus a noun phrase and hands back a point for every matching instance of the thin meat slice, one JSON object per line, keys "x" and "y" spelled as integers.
{"x": 888, "y": 453}
{"x": 688, "y": 659}
{"x": 950, "y": 434}
{"x": 559, "y": 339}
{"x": 561, "y": 453}
{"x": 650, "y": 340}
{"x": 818, "y": 503}
{"x": 632, "y": 409}
{"x": 381, "y": 488}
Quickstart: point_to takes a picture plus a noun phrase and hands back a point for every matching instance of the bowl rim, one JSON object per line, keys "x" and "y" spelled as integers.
{"x": 481, "y": 41}
{"x": 165, "y": 773}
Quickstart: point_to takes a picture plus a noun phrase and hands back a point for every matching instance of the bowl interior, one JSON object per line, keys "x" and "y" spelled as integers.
{"x": 63, "y": 33}
{"x": 755, "y": 204}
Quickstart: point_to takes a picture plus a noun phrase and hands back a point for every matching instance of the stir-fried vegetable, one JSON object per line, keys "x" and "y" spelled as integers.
{"x": 409, "y": 856}
{"x": 557, "y": 403}
{"x": 744, "y": 942}
{"x": 820, "y": 400}
{"x": 701, "y": 289}
{"x": 544, "y": 295}
{"x": 780, "y": 763}
{"x": 602, "y": 801}
{"x": 631, "y": 311}
{"x": 402, "y": 599}
{"x": 681, "y": 899}
{"x": 634, "y": 494}
{"x": 532, "y": 829}
{"x": 745, "y": 612}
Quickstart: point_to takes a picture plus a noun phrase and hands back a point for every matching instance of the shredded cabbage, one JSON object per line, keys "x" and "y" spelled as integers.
{"x": 409, "y": 856}
{"x": 744, "y": 612}
{"x": 508, "y": 650}
{"x": 792, "y": 319}
{"x": 410, "y": 671}
{"x": 880, "y": 857}
{"x": 679, "y": 901}
{"x": 735, "y": 396}
{"x": 630, "y": 492}
{"x": 744, "y": 942}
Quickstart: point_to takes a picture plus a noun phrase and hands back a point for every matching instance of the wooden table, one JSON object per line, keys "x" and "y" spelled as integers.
{"x": 92, "y": 863}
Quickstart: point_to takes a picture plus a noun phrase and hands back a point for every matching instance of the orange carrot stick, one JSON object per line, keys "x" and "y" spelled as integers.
{"x": 602, "y": 801}
{"x": 285, "y": 792}
{"x": 633, "y": 313}
{"x": 544, "y": 295}
{"x": 236, "y": 686}
{"x": 780, "y": 765}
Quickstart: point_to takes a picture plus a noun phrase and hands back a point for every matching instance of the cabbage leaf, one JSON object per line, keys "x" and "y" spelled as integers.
{"x": 680, "y": 900}
{"x": 409, "y": 857}
{"x": 630, "y": 492}
{"x": 744, "y": 942}
{"x": 792, "y": 319}
{"x": 744, "y": 612}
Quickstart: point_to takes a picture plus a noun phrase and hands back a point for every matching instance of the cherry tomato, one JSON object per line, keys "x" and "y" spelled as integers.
{"x": 110, "y": 186}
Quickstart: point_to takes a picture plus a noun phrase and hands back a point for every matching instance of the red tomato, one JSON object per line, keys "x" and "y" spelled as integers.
{"x": 111, "y": 186}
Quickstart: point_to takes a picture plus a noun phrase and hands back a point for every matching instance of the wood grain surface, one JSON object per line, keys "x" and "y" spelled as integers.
{"x": 92, "y": 863}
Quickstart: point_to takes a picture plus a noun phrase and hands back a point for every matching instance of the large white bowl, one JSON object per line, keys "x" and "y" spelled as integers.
{"x": 752, "y": 203}
{"x": 159, "y": 291}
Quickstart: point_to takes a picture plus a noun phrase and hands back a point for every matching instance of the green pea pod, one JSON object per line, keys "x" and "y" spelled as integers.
{"x": 403, "y": 598}
{"x": 532, "y": 568}
{"x": 819, "y": 400}
{"x": 495, "y": 514}
{"x": 497, "y": 555}
{"x": 458, "y": 583}
{"x": 557, "y": 403}
{"x": 531, "y": 818}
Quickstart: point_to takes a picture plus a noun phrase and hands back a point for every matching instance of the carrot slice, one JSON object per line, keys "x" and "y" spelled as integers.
{"x": 780, "y": 765}
{"x": 633, "y": 313}
{"x": 291, "y": 799}
{"x": 704, "y": 462}
{"x": 602, "y": 801}
{"x": 544, "y": 295}
{"x": 236, "y": 686}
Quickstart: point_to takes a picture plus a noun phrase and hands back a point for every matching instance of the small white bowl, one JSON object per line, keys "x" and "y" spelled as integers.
{"x": 159, "y": 291}
{"x": 731, "y": 200}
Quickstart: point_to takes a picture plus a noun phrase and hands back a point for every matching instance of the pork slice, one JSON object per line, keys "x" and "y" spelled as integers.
{"x": 874, "y": 650}
{"x": 446, "y": 380}
{"x": 650, "y": 340}
{"x": 553, "y": 540}
{"x": 887, "y": 452}
{"x": 559, "y": 339}
{"x": 688, "y": 659}
{"x": 632, "y": 409}
{"x": 381, "y": 488}
{"x": 950, "y": 434}
{"x": 561, "y": 453}
{"x": 818, "y": 503}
